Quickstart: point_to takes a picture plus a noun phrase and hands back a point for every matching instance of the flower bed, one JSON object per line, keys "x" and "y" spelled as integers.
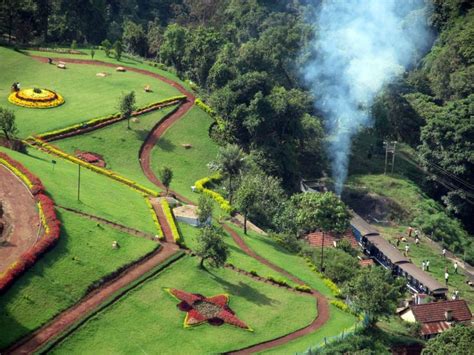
{"x": 36, "y": 98}
{"x": 201, "y": 187}
{"x": 49, "y": 220}
{"x": 212, "y": 310}
{"x": 56, "y": 151}
{"x": 170, "y": 219}
{"x": 105, "y": 120}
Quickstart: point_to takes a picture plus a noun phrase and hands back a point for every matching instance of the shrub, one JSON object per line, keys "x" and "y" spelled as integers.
{"x": 155, "y": 218}
{"x": 253, "y": 272}
{"x": 281, "y": 282}
{"x": 341, "y": 305}
{"x": 201, "y": 187}
{"x": 303, "y": 288}
{"x": 170, "y": 219}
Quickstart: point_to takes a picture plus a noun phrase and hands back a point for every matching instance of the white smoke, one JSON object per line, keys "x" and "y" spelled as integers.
{"x": 360, "y": 45}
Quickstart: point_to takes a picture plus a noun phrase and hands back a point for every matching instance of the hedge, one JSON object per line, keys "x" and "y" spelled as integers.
{"x": 49, "y": 220}
{"x": 171, "y": 222}
{"x": 155, "y": 219}
{"x": 210, "y": 111}
{"x": 201, "y": 187}
{"x": 56, "y": 151}
{"x": 110, "y": 118}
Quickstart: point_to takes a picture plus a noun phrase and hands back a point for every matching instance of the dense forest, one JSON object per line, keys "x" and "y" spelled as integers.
{"x": 244, "y": 57}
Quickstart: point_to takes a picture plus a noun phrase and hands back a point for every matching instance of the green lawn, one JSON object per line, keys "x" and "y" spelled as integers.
{"x": 338, "y": 322}
{"x": 118, "y": 145}
{"x": 99, "y": 194}
{"x": 147, "y": 320}
{"x": 237, "y": 257}
{"x": 188, "y": 165}
{"x": 86, "y": 95}
{"x": 60, "y": 278}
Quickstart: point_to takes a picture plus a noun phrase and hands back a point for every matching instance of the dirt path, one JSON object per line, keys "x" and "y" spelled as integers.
{"x": 23, "y": 223}
{"x": 163, "y": 221}
{"x": 90, "y": 302}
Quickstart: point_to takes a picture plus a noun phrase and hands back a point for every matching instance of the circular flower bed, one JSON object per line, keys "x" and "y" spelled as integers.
{"x": 36, "y": 98}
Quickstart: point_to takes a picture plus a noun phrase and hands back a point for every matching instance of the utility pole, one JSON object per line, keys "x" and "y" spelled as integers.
{"x": 78, "y": 182}
{"x": 390, "y": 147}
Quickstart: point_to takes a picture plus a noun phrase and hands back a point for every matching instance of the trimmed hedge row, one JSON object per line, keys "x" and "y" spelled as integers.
{"x": 48, "y": 218}
{"x": 155, "y": 218}
{"x": 110, "y": 118}
{"x": 210, "y": 111}
{"x": 336, "y": 291}
{"x": 171, "y": 222}
{"x": 56, "y": 151}
{"x": 201, "y": 187}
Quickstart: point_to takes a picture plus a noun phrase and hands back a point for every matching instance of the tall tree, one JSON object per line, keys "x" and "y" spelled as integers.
{"x": 211, "y": 246}
{"x": 173, "y": 46}
{"x": 204, "y": 210}
{"x": 375, "y": 292}
{"x": 7, "y": 123}
{"x": 230, "y": 163}
{"x": 456, "y": 340}
{"x": 127, "y": 106}
{"x": 166, "y": 175}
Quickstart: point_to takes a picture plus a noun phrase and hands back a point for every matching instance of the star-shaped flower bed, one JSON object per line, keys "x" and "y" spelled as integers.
{"x": 199, "y": 309}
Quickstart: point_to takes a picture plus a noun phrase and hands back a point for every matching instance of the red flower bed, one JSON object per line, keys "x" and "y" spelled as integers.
{"x": 51, "y": 225}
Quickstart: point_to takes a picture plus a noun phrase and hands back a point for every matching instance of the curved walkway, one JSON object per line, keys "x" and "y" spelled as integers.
{"x": 21, "y": 215}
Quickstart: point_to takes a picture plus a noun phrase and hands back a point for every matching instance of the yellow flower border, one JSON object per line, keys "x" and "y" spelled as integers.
{"x": 37, "y": 103}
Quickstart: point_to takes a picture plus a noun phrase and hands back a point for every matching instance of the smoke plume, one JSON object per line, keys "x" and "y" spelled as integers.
{"x": 359, "y": 46}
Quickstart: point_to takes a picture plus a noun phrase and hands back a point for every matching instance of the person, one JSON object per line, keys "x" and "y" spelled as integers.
{"x": 423, "y": 265}
{"x": 398, "y": 241}
{"x": 417, "y": 240}
{"x": 455, "y": 267}
{"x": 50, "y": 61}
{"x": 407, "y": 248}
{"x": 427, "y": 265}
{"x": 416, "y": 233}
{"x": 444, "y": 252}
{"x": 446, "y": 277}
{"x": 410, "y": 230}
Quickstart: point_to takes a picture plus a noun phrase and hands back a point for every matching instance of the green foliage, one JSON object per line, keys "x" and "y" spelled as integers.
{"x": 374, "y": 292}
{"x": 107, "y": 46}
{"x": 339, "y": 266}
{"x": 134, "y": 38}
{"x": 7, "y": 123}
{"x": 127, "y": 106}
{"x": 456, "y": 340}
{"x": 118, "y": 49}
{"x": 92, "y": 53}
{"x": 74, "y": 44}
{"x": 173, "y": 46}
{"x": 205, "y": 207}
{"x": 171, "y": 221}
{"x": 211, "y": 246}
{"x": 166, "y": 176}
{"x": 230, "y": 162}
{"x": 346, "y": 246}
{"x": 303, "y": 288}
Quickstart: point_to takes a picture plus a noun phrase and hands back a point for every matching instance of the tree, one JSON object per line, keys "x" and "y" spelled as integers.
{"x": 134, "y": 38}
{"x": 258, "y": 196}
{"x": 92, "y": 53}
{"x": 166, "y": 175}
{"x": 375, "y": 292}
{"x": 339, "y": 266}
{"x": 230, "y": 163}
{"x": 118, "y": 49}
{"x": 456, "y": 340}
{"x": 204, "y": 210}
{"x": 7, "y": 123}
{"x": 107, "y": 47}
{"x": 211, "y": 246}
{"x": 173, "y": 46}
{"x": 127, "y": 106}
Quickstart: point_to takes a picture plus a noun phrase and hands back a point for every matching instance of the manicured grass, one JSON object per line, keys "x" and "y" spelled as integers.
{"x": 147, "y": 320}
{"x": 338, "y": 322}
{"x": 127, "y": 61}
{"x": 118, "y": 145}
{"x": 60, "y": 278}
{"x": 99, "y": 194}
{"x": 237, "y": 257}
{"x": 188, "y": 165}
{"x": 87, "y": 96}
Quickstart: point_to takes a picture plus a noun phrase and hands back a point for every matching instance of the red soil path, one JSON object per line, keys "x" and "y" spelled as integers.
{"x": 20, "y": 210}
{"x": 90, "y": 302}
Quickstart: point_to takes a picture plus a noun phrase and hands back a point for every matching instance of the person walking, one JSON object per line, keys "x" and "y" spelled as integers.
{"x": 410, "y": 230}
{"x": 407, "y": 249}
{"x": 444, "y": 252}
{"x": 427, "y": 265}
{"x": 446, "y": 277}
{"x": 423, "y": 265}
{"x": 455, "y": 267}
{"x": 417, "y": 240}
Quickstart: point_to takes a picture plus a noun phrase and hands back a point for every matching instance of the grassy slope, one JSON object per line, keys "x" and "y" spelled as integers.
{"x": 118, "y": 145}
{"x": 408, "y": 195}
{"x": 188, "y": 165}
{"x": 100, "y": 195}
{"x": 57, "y": 281}
{"x": 154, "y": 324}
{"x": 237, "y": 257}
{"x": 86, "y": 95}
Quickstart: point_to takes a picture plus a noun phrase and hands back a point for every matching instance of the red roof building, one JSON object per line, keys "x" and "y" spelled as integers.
{"x": 436, "y": 317}
{"x": 315, "y": 239}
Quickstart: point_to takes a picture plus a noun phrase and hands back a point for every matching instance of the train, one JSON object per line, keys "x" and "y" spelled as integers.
{"x": 388, "y": 256}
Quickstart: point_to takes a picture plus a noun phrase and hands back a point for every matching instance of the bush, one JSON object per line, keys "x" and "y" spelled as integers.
{"x": 303, "y": 288}
{"x": 201, "y": 187}
{"x": 281, "y": 282}
{"x": 341, "y": 305}
{"x": 170, "y": 219}
{"x": 253, "y": 272}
